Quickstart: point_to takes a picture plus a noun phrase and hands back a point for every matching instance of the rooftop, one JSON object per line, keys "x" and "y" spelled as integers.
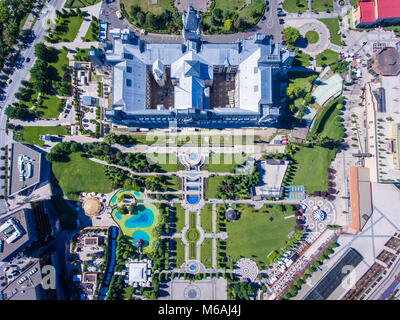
{"x": 14, "y": 232}
{"x": 25, "y": 167}
{"x": 387, "y": 61}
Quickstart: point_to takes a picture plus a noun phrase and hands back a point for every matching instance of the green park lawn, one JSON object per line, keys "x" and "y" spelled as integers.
{"x": 225, "y": 162}
{"x": 179, "y": 253}
{"x": 312, "y": 36}
{"x": 147, "y": 6}
{"x": 80, "y": 174}
{"x": 327, "y": 58}
{"x": 49, "y": 109}
{"x": 212, "y": 185}
{"x": 31, "y": 134}
{"x": 301, "y": 59}
{"x": 206, "y": 218}
{"x": 72, "y": 27}
{"x": 80, "y": 3}
{"x": 179, "y": 217}
{"x": 295, "y": 5}
{"x": 333, "y": 26}
{"x": 311, "y": 168}
{"x": 168, "y": 162}
{"x": 92, "y": 33}
{"x": 321, "y": 5}
{"x": 302, "y": 81}
{"x": 328, "y": 123}
{"x": 206, "y": 252}
{"x": 255, "y": 236}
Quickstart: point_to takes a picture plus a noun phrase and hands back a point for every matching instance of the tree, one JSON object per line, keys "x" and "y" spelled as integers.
{"x": 228, "y": 24}
{"x": 110, "y": 138}
{"x": 217, "y": 12}
{"x": 308, "y": 98}
{"x": 291, "y": 35}
{"x": 41, "y": 52}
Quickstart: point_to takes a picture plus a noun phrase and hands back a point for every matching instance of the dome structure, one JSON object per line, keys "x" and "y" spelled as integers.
{"x": 91, "y": 206}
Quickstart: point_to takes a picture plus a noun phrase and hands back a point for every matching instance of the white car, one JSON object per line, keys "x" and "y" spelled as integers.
{"x": 119, "y": 15}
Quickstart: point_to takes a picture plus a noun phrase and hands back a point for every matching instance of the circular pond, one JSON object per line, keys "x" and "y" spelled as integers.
{"x": 140, "y": 234}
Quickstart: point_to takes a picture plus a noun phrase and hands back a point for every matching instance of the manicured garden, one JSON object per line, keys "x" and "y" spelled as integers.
{"x": 206, "y": 252}
{"x": 179, "y": 217}
{"x": 206, "y": 218}
{"x": 333, "y": 26}
{"x": 80, "y": 3}
{"x": 225, "y": 162}
{"x": 229, "y": 16}
{"x": 67, "y": 27}
{"x": 295, "y": 5}
{"x": 31, "y": 135}
{"x": 79, "y": 174}
{"x": 327, "y": 58}
{"x": 322, "y": 5}
{"x": 301, "y": 59}
{"x": 312, "y": 36}
{"x": 258, "y": 232}
{"x": 311, "y": 165}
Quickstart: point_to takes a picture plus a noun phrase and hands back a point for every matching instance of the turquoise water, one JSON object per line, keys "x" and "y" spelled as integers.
{"x": 193, "y": 199}
{"x": 137, "y": 194}
{"x": 143, "y": 219}
{"x": 192, "y": 188}
{"x": 140, "y": 234}
{"x": 117, "y": 215}
{"x": 192, "y": 156}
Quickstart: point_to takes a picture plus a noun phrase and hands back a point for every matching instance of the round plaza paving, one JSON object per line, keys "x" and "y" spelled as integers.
{"x": 319, "y": 213}
{"x": 192, "y": 292}
{"x": 247, "y": 269}
{"x": 323, "y": 37}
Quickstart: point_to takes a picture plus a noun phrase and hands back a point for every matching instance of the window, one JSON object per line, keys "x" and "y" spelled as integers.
{"x": 255, "y": 88}
{"x": 129, "y": 69}
{"x": 128, "y": 56}
{"x": 129, "y": 82}
{"x": 255, "y": 69}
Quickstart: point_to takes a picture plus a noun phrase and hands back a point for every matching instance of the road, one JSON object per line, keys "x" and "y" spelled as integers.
{"x": 21, "y": 73}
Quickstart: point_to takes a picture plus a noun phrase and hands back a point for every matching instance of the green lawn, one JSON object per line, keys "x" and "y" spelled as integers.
{"x": 295, "y": 5}
{"x": 321, "y": 5}
{"x": 206, "y": 218}
{"x": 225, "y": 162}
{"x": 311, "y": 168}
{"x": 328, "y": 124}
{"x": 206, "y": 252}
{"x": 31, "y": 134}
{"x": 327, "y": 58}
{"x": 49, "y": 109}
{"x": 333, "y": 26}
{"x": 72, "y": 25}
{"x": 312, "y": 36}
{"x": 212, "y": 185}
{"x": 66, "y": 213}
{"x": 179, "y": 253}
{"x": 80, "y": 174}
{"x": 254, "y": 236}
{"x": 301, "y": 59}
{"x": 302, "y": 81}
{"x": 61, "y": 60}
{"x": 93, "y": 31}
{"x": 168, "y": 162}
{"x": 180, "y": 217}
{"x": 80, "y": 3}
{"x": 146, "y": 5}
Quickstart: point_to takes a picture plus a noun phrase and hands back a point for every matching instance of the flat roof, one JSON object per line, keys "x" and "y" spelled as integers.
{"x": 9, "y": 248}
{"x": 334, "y": 277}
{"x": 272, "y": 172}
{"x": 360, "y": 197}
{"x": 30, "y": 289}
{"x": 137, "y": 272}
{"x": 32, "y": 175}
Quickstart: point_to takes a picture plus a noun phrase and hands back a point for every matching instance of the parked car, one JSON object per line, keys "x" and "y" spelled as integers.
{"x": 28, "y": 59}
{"x": 281, "y": 21}
{"x": 263, "y": 18}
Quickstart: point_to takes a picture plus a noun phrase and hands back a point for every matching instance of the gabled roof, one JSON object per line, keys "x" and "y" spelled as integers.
{"x": 367, "y": 11}
{"x": 388, "y": 8}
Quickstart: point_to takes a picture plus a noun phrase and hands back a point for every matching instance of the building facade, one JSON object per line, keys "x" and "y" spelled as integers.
{"x": 194, "y": 84}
